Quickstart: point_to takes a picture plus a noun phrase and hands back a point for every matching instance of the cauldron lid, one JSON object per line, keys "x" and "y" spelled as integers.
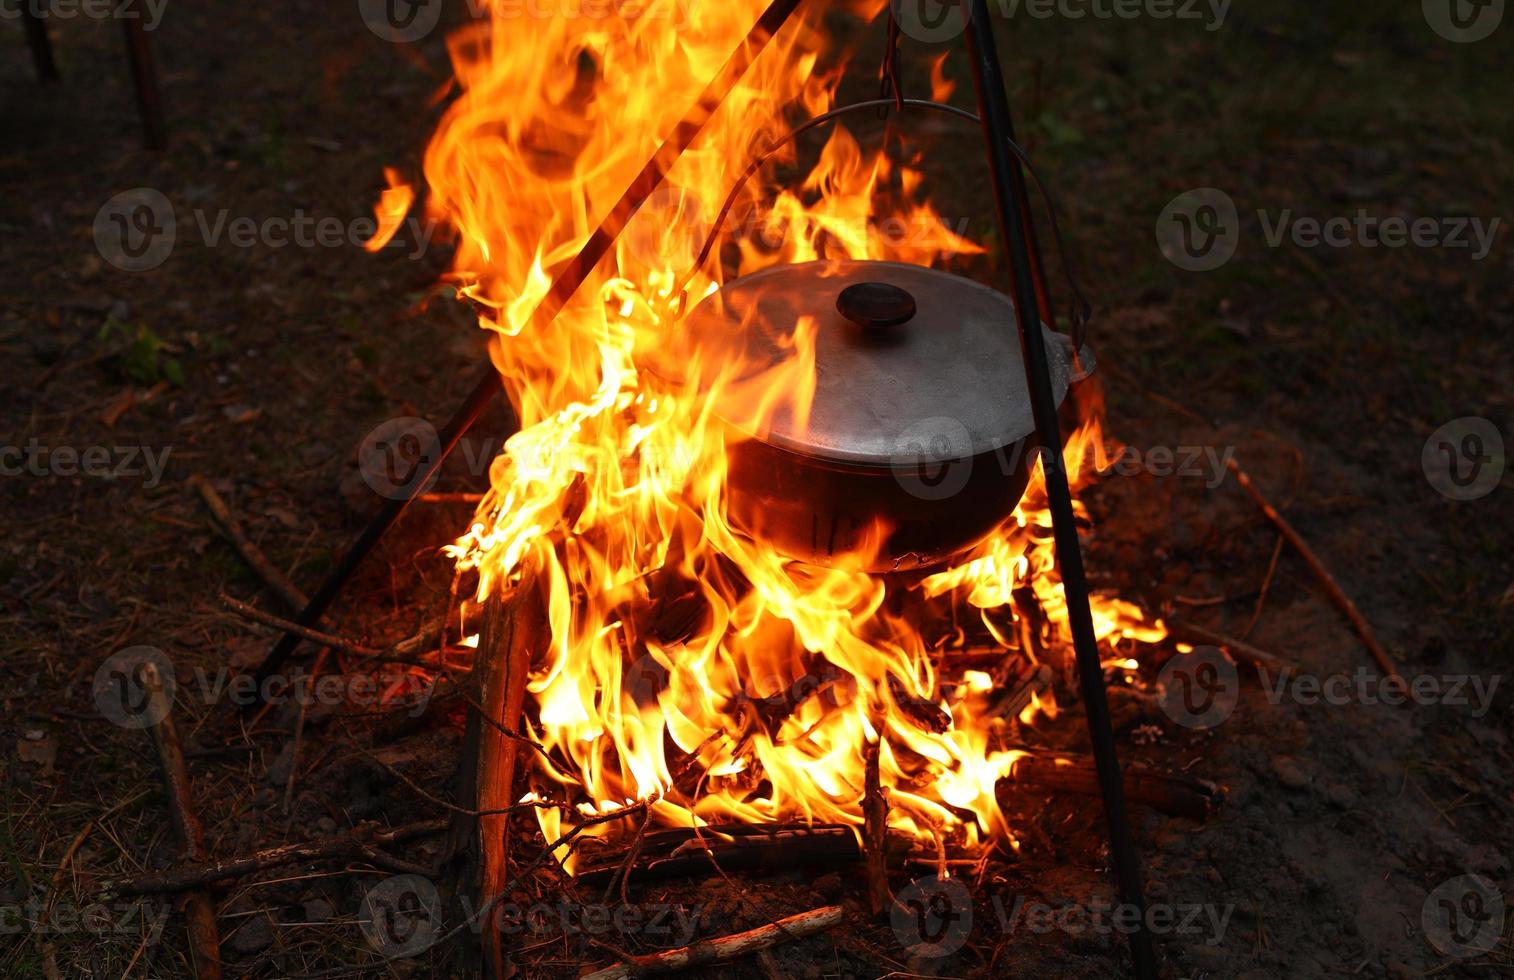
{"x": 947, "y": 382}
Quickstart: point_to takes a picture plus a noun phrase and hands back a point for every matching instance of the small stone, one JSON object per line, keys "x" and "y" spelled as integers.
{"x": 325, "y": 825}
{"x": 319, "y": 910}
{"x": 1289, "y": 772}
{"x": 1340, "y": 795}
{"x": 282, "y": 765}
{"x": 254, "y": 935}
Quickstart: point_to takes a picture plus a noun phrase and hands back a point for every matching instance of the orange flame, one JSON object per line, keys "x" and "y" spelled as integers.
{"x": 614, "y": 485}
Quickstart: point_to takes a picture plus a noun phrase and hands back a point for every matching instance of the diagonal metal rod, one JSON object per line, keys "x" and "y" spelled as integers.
{"x": 1025, "y": 268}
{"x": 563, "y": 287}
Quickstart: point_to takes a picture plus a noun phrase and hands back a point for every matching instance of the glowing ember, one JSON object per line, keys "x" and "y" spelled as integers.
{"x": 760, "y": 709}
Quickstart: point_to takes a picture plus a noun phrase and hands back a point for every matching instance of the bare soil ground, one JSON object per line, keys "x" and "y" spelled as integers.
{"x": 1323, "y": 369}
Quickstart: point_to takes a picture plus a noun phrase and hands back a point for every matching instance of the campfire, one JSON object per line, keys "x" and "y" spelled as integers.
{"x": 720, "y": 639}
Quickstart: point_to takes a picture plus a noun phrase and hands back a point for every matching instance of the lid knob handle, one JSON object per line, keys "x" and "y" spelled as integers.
{"x": 875, "y": 306}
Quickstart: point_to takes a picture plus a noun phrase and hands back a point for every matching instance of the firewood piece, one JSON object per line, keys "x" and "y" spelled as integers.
{"x": 684, "y": 853}
{"x": 726, "y": 948}
{"x": 204, "y": 936}
{"x": 1034, "y": 680}
{"x": 231, "y": 528}
{"x": 875, "y": 831}
{"x": 925, "y": 713}
{"x": 513, "y": 626}
{"x": 1240, "y": 650}
{"x": 1332, "y": 589}
{"x": 361, "y": 845}
{"x": 1173, "y": 793}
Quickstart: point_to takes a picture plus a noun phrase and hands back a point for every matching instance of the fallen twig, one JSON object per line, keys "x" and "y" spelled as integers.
{"x": 1176, "y": 794}
{"x": 1341, "y": 600}
{"x": 725, "y": 948}
{"x": 361, "y": 845}
{"x": 251, "y": 554}
{"x": 400, "y": 653}
{"x": 204, "y": 936}
{"x": 1239, "y": 649}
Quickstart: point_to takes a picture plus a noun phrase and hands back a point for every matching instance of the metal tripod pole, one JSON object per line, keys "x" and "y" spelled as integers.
{"x": 1015, "y": 227}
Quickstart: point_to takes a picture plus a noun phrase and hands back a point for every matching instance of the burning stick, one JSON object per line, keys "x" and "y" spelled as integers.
{"x": 726, "y": 948}
{"x": 512, "y": 626}
{"x": 1173, "y": 793}
{"x": 875, "y": 829}
{"x": 1341, "y": 600}
{"x": 251, "y": 554}
{"x": 204, "y": 937}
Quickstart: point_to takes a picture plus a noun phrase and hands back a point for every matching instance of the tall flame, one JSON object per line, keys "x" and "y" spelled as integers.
{"x": 760, "y": 706}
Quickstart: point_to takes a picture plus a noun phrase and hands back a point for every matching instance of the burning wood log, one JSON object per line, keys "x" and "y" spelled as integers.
{"x": 683, "y": 853}
{"x": 726, "y": 948}
{"x": 513, "y": 626}
{"x": 204, "y": 936}
{"x": 1173, "y": 793}
{"x": 875, "y": 832}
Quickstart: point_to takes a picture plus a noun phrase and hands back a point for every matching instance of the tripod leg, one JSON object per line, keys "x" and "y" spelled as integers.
{"x": 42, "y": 48}
{"x": 1011, "y": 197}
